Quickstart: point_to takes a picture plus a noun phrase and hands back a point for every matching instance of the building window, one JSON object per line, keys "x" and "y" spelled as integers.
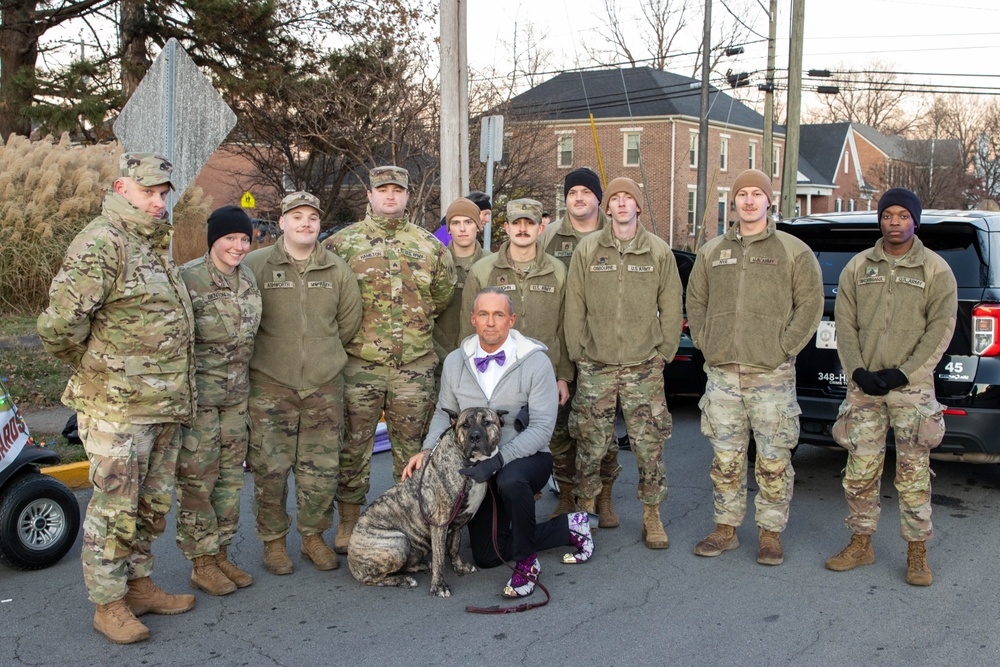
{"x": 723, "y": 153}
{"x": 838, "y": 205}
{"x": 851, "y": 205}
{"x": 847, "y": 162}
{"x": 565, "y": 157}
{"x": 692, "y": 207}
{"x": 776, "y": 164}
{"x": 723, "y": 210}
{"x": 752, "y": 162}
{"x": 693, "y": 150}
{"x": 631, "y": 149}
{"x": 560, "y": 202}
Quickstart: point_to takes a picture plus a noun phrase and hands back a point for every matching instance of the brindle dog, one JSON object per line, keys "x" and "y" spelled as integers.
{"x": 410, "y": 522}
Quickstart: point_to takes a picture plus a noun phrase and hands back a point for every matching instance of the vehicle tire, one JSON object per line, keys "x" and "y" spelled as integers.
{"x": 39, "y": 522}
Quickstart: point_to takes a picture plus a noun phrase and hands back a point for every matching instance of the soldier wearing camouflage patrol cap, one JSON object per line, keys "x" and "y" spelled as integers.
{"x": 311, "y": 309}
{"x": 623, "y": 323}
{"x": 754, "y": 299}
{"x": 120, "y": 315}
{"x": 895, "y": 312}
{"x": 407, "y": 278}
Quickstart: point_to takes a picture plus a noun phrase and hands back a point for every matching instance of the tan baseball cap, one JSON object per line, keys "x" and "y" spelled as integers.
{"x": 380, "y": 176}
{"x": 146, "y": 168}
{"x": 524, "y": 208}
{"x": 300, "y": 198}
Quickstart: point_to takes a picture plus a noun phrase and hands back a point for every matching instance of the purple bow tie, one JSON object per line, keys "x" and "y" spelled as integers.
{"x": 482, "y": 363}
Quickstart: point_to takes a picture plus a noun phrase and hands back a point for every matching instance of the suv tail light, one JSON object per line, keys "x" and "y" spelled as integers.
{"x": 986, "y": 330}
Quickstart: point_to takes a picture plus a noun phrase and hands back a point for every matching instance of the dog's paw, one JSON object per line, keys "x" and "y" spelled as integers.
{"x": 409, "y": 582}
{"x": 441, "y": 590}
{"x": 462, "y": 568}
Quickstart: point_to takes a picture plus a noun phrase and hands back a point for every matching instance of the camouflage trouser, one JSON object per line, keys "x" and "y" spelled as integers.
{"x": 132, "y": 470}
{"x": 405, "y": 395}
{"x": 210, "y": 478}
{"x": 917, "y": 421}
{"x": 639, "y": 388}
{"x": 563, "y": 448}
{"x": 736, "y": 401}
{"x": 299, "y": 432}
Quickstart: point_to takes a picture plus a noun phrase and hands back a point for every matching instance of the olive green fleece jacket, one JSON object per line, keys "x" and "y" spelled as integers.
{"x": 622, "y": 308}
{"x": 896, "y": 312}
{"x": 448, "y": 324}
{"x": 754, "y": 300}
{"x": 538, "y": 297}
{"x": 560, "y": 239}
{"x": 306, "y": 320}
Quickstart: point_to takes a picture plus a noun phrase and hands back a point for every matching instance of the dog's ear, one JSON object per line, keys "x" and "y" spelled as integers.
{"x": 500, "y": 414}
{"x": 452, "y": 414}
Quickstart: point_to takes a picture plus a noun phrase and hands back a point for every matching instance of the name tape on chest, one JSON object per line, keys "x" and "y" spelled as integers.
{"x": 869, "y": 280}
{"x": 283, "y": 284}
{"x": 547, "y": 289}
{"x": 412, "y": 254}
{"x": 729, "y": 261}
{"x": 603, "y": 267}
{"x": 322, "y": 284}
{"x": 912, "y": 282}
{"x": 639, "y": 268}
{"x": 215, "y": 296}
{"x": 371, "y": 254}
{"x": 767, "y": 261}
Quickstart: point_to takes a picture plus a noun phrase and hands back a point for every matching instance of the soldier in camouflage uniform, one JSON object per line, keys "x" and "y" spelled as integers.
{"x": 312, "y": 307}
{"x": 120, "y": 315}
{"x": 896, "y": 308}
{"x": 584, "y": 216}
{"x": 754, "y": 299}
{"x": 623, "y": 323}
{"x": 464, "y": 224}
{"x": 407, "y": 279}
{"x": 227, "y": 306}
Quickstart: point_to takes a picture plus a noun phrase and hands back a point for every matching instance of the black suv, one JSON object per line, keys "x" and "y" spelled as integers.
{"x": 967, "y": 380}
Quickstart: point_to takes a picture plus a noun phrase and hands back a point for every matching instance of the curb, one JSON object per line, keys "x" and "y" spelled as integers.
{"x": 73, "y": 475}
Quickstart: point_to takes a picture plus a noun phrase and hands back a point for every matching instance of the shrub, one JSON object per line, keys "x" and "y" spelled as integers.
{"x": 49, "y": 191}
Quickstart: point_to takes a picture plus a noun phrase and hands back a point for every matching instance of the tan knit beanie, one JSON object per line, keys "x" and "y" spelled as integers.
{"x": 622, "y": 184}
{"x": 753, "y": 178}
{"x": 465, "y": 208}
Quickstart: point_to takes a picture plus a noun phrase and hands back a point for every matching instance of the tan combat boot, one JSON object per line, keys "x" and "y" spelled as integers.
{"x": 769, "y": 552}
{"x": 206, "y": 575}
{"x": 918, "y": 572}
{"x": 652, "y": 528}
{"x": 145, "y": 597}
{"x": 723, "y": 538}
{"x": 859, "y": 552}
{"x": 566, "y": 503}
{"x": 315, "y": 551}
{"x": 586, "y": 505}
{"x": 606, "y": 517}
{"x": 117, "y": 622}
{"x": 349, "y": 513}
{"x": 276, "y": 560}
{"x": 234, "y": 574}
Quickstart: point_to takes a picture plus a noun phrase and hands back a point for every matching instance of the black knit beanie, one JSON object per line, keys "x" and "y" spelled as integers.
{"x": 228, "y": 220}
{"x": 585, "y": 177}
{"x": 906, "y": 199}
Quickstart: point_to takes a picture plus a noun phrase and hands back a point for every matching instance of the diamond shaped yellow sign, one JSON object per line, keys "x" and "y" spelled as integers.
{"x": 248, "y": 201}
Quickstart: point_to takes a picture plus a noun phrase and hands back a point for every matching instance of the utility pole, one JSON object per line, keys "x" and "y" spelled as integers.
{"x": 454, "y": 102}
{"x": 789, "y": 175}
{"x": 701, "y": 201}
{"x": 767, "y": 158}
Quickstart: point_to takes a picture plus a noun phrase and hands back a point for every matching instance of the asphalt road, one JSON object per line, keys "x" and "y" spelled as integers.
{"x": 627, "y": 606}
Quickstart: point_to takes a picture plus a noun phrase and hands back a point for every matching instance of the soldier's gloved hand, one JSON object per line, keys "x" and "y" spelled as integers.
{"x": 870, "y": 383}
{"x": 483, "y": 470}
{"x": 892, "y": 377}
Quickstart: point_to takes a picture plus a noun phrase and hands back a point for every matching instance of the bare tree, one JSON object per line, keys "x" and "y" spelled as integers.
{"x": 659, "y": 25}
{"x": 872, "y": 97}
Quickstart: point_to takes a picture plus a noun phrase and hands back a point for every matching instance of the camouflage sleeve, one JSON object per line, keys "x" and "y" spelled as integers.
{"x": 84, "y": 282}
{"x": 575, "y": 316}
{"x": 443, "y": 283}
{"x": 350, "y": 305}
{"x": 942, "y": 308}
{"x": 846, "y": 316}
{"x": 807, "y": 303}
{"x": 696, "y": 304}
{"x": 671, "y": 306}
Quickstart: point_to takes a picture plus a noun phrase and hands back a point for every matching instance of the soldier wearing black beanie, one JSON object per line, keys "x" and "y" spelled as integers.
{"x": 228, "y": 220}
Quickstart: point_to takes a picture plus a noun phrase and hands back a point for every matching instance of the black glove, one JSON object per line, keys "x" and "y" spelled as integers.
{"x": 482, "y": 471}
{"x": 892, "y": 377}
{"x": 521, "y": 420}
{"x": 870, "y": 383}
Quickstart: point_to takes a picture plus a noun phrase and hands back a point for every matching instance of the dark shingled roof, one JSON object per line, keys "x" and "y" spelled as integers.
{"x": 650, "y": 92}
{"x": 821, "y": 146}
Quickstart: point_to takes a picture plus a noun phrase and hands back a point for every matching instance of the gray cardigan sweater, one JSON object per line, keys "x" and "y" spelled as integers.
{"x": 529, "y": 381}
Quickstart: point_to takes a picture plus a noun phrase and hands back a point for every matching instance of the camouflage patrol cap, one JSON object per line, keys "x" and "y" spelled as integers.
{"x": 380, "y": 176}
{"x": 146, "y": 168}
{"x": 524, "y": 208}
{"x": 300, "y": 198}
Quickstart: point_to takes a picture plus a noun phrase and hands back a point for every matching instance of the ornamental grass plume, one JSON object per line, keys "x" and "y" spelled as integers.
{"x": 49, "y": 191}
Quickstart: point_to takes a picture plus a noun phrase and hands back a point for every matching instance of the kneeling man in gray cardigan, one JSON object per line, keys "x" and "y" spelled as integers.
{"x": 498, "y": 368}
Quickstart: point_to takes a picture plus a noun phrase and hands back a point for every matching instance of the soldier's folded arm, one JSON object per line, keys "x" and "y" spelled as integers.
{"x": 846, "y": 316}
{"x": 697, "y": 299}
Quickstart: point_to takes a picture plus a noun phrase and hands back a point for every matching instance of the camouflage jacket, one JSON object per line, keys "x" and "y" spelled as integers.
{"x": 623, "y": 307}
{"x": 225, "y": 324}
{"x": 307, "y": 318}
{"x": 560, "y": 239}
{"x": 754, "y": 300}
{"x": 406, "y": 278}
{"x": 121, "y": 316}
{"x": 896, "y": 312}
{"x": 448, "y": 324}
{"x": 538, "y": 297}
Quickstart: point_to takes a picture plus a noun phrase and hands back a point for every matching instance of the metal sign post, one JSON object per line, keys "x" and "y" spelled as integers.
{"x": 490, "y": 151}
